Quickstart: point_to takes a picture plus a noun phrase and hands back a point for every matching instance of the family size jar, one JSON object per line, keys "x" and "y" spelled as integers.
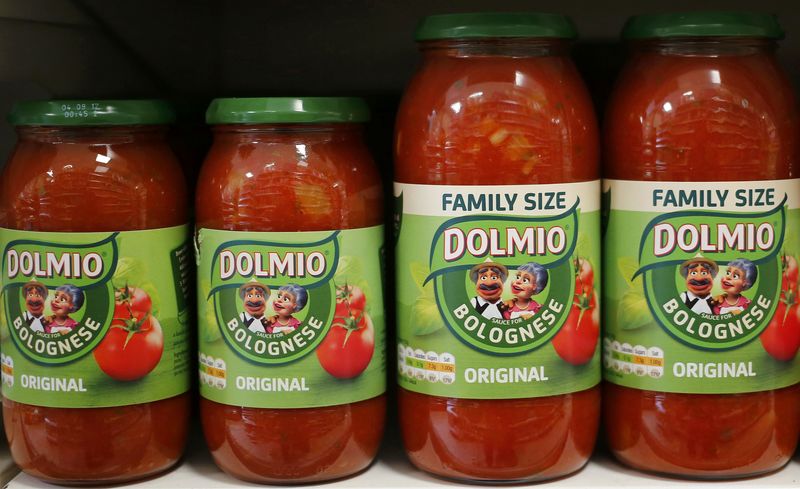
{"x": 701, "y": 295}
{"x": 290, "y": 243}
{"x": 96, "y": 258}
{"x": 498, "y": 258}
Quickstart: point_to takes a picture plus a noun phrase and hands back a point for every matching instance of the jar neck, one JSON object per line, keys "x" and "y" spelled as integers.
{"x": 91, "y": 134}
{"x": 495, "y": 47}
{"x": 289, "y": 132}
{"x": 708, "y": 46}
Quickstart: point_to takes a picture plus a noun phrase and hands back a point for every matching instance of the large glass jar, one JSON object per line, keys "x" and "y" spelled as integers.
{"x": 702, "y": 327}
{"x": 497, "y": 191}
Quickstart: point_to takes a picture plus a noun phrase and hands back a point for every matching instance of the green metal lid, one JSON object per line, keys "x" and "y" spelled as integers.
{"x": 287, "y": 110}
{"x": 495, "y": 24}
{"x": 91, "y": 113}
{"x": 703, "y": 24}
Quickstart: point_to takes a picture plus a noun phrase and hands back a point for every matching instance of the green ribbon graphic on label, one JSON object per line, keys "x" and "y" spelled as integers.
{"x": 681, "y": 254}
{"x": 245, "y": 272}
{"x": 31, "y": 268}
{"x": 463, "y": 247}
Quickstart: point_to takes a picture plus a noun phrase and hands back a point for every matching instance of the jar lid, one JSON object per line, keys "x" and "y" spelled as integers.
{"x": 703, "y": 24}
{"x": 287, "y": 110}
{"x": 495, "y": 24}
{"x": 91, "y": 113}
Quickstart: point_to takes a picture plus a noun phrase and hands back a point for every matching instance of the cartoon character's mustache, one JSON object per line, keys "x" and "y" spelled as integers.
{"x": 34, "y": 303}
{"x": 489, "y": 287}
{"x": 254, "y": 304}
{"x": 699, "y": 282}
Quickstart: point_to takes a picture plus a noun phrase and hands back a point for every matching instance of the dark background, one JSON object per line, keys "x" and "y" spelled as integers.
{"x": 192, "y": 51}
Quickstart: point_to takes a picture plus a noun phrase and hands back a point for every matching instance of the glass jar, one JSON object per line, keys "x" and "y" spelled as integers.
{"x": 95, "y": 334}
{"x": 292, "y": 352}
{"x": 497, "y": 191}
{"x": 701, "y": 140}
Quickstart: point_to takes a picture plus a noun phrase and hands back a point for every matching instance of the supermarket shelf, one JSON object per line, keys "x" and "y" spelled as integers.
{"x": 392, "y": 470}
{"x": 7, "y": 468}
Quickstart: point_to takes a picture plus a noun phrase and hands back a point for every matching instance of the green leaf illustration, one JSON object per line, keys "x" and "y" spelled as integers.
{"x": 627, "y": 268}
{"x": 582, "y": 244}
{"x": 129, "y": 270}
{"x": 633, "y": 312}
{"x": 349, "y": 270}
{"x": 4, "y": 331}
{"x": 419, "y": 273}
{"x": 208, "y": 324}
{"x": 425, "y": 316}
{"x": 132, "y": 272}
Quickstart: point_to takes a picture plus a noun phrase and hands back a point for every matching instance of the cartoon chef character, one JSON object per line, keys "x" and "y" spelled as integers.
{"x": 254, "y": 297}
{"x": 35, "y": 294}
{"x": 699, "y": 273}
{"x": 489, "y": 278}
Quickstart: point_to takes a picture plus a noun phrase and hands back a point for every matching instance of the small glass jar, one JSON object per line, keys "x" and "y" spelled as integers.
{"x": 291, "y": 174}
{"x": 95, "y": 390}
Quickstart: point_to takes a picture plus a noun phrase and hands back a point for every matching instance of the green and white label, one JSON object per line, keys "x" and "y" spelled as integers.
{"x": 291, "y": 320}
{"x": 497, "y": 289}
{"x": 95, "y": 319}
{"x": 702, "y": 291}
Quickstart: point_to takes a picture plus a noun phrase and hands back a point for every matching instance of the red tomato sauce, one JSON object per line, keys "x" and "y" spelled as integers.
{"x": 51, "y": 183}
{"x": 338, "y": 188}
{"x": 739, "y": 124}
{"x": 524, "y": 118}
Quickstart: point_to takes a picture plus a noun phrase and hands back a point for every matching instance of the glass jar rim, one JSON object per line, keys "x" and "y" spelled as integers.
{"x": 702, "y": 24}
{"x": 496, "y": 25}
{"x": 287, "y": 110}
{"x": 89, "y": 112}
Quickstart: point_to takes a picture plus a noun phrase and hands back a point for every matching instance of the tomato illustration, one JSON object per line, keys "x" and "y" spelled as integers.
{"x": 584, "y": 277}
{"x": 134, "y": 342}
{"x": 576, "y": 341}
{"x": 781, "y": 337}
{"x": 132, "y": 302}
{"x": 349, "y": 300}
{"x": 130, "y": 355}
{"x": 348, "y": 347}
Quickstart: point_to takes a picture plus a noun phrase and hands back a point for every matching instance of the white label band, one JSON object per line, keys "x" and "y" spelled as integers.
{"x": 650, "y": 196}
{"x": 464, "y": 200}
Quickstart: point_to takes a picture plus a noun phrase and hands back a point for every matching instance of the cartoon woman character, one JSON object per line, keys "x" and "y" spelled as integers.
{"x": 67, "y": 300}
{"x": 740, "y": 275}
{"x": 291, "y": 299}
{"x": 531, "y": 279}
